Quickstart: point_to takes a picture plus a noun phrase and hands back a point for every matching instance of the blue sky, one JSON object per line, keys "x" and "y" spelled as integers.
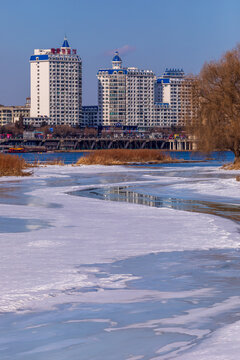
{"x": 153, "y": 34}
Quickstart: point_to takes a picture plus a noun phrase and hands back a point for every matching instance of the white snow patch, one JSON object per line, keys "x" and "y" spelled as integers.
{"x": 223, "y": 344}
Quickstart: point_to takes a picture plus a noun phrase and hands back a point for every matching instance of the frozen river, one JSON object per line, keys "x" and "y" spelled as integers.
{"x": 120, "y": 263}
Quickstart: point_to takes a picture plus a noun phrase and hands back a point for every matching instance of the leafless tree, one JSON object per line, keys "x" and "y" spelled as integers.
{"x": 216, "y": 105}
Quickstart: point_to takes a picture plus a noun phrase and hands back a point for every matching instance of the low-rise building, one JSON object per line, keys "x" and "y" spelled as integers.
{"x": 37, "y": 121}
{"x": 11, "y": 114}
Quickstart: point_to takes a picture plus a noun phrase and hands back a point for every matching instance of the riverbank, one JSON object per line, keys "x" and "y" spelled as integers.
{"x": 13, "y": 166}
{"x": 179, "y": 157}
{"x": 125, "y": 157}
{"x": 232, "y": 166}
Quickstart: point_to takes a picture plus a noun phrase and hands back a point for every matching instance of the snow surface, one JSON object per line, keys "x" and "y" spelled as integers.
{"x": 224, "y": 345}
{"x": 39, "y": 267}
{"x": 46, "y": 267}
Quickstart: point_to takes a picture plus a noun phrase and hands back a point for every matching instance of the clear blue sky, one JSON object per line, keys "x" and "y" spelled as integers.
{"x": 158, "y": 34}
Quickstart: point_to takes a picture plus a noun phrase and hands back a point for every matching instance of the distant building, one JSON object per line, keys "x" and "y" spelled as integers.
{"x": 172, "y": 98}
{"x": 11, "y": 114}
{"x": 140, "y": 97}
{"x": 90, "y": 116}
{"x": 125, "y": 95}
{"x": 133, "y": 97}
{"x": 37, "y": 121}
{"x": 56, "y": 85}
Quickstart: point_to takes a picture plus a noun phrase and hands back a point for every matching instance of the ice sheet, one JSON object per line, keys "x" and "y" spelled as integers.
{"x": 222, "y": 345}
{"x": 46, "y": 267}
{"x": 38, "y": 268}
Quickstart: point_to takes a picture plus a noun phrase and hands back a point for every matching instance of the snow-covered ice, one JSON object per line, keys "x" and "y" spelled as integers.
{"x": 65, "y": 240}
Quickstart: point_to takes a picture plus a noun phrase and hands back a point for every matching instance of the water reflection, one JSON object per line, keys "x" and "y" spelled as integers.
{"x": 125, "y": 194}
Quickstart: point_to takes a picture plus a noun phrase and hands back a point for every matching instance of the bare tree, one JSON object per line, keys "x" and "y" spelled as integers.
{"x": 19, "y": 124}
{"x": 62, "y": 130}
{"x": 216, "y": 103}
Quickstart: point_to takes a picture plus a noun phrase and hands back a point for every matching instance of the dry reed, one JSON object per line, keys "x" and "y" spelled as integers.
{"x": 13, "y": 165}
{"x": 124, "y": 157}
{"x": 232, "y": 166}
{"x": 37, "y": 162}
{"x": 53, "y": 162}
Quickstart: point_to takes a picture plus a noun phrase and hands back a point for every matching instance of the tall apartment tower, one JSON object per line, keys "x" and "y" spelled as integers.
{"x": 125, "y": 95}
{"x": 56, "y": 85}
{"x": 112, "y": 94}
{"x": 172, "y": 98}
{"x": 140, "y": 97}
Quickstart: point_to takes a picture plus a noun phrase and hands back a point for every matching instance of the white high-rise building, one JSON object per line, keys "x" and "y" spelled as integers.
{"x": 133, "y": 97}
{"x": 56, "y": 85}
{"x": 172, "y": 98}
{"x": 140, "y": 97}
{"x": 125, "y": 95}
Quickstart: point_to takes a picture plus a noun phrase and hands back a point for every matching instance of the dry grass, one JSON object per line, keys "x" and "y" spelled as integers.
{"x": 124, "y": 156}
{"x": 238, "y": 177}
{"x": 53, "y": 162}
{"x": 232, "y": 166}
{"x": 38, "y": 162}
{"x": 13, "y": 165}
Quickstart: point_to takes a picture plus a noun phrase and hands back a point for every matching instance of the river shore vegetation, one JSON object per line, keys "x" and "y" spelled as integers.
{"x": 125, "y": 156}
{"x": 57, "y": 161}
{"x": 13, "y": 165}
{"x": 232, "y": 166}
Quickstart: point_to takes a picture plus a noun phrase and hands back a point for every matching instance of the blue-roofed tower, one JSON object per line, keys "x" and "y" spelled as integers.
{"x": 116, "y": 61}
{"x": 172, "y": 98}
{"x": 125, "y": 95}
{"x": 56, "y": 85}
{"x": 65, "y": 43}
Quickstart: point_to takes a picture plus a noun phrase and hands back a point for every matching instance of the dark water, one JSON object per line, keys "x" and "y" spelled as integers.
{"x": 126, "y": 194}
{"x": 66, "y": 157}
{"x": 71, "y": 157}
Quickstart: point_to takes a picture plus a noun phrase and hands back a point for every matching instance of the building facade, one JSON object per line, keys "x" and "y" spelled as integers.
{"x": 125, "y": 95}
{"x": 89, "y": 116}
{"x": 37, "y": 121}
{"x": 133, "y": 97}
{"x": 140, "y": 97}
{"x": 112, "y": 94}
{"x": 11, "y": 114}
{"x": 172, "y": 98}
{"x": 56, "y": 85}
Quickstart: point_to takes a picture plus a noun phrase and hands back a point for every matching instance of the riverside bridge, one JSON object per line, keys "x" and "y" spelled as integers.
{"x": 96, "y": 143}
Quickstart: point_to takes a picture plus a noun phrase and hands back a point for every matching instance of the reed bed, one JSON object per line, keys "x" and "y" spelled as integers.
{"x": 52, "y": 162}
{"x": 232, "y": 166}
{"x": 13, "y": 165}
{"x": 124, "y": 157}
{"x": 37, "y": 162}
